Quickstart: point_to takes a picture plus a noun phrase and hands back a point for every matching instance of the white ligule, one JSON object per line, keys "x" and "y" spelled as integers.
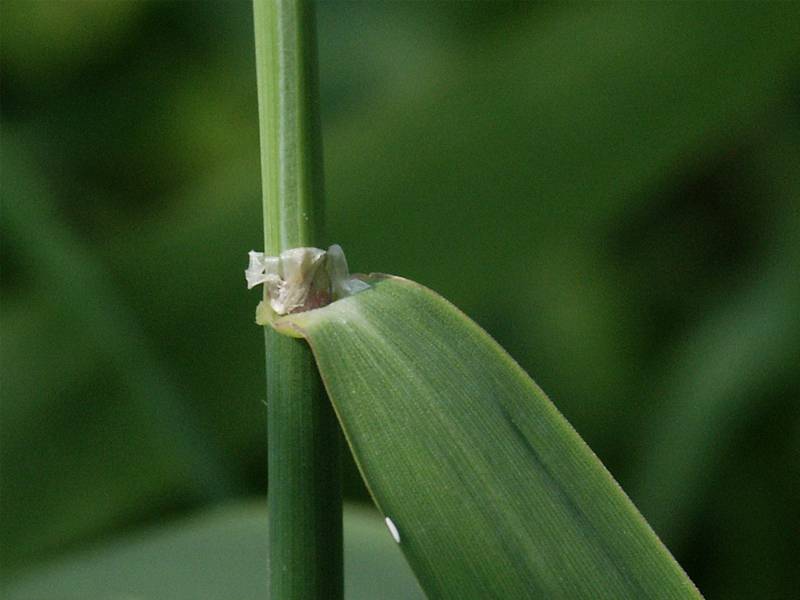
{"x": 302, "y": 278}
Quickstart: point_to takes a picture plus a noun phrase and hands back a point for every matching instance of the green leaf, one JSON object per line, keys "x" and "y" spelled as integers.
{"x": 492, "y": 492}
{"x": 217, "y": 555}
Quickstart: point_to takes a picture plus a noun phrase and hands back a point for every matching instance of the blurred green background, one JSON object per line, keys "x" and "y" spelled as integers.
{"x": 611, "y": 190}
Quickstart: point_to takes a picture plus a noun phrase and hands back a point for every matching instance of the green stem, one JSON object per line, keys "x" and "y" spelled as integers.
{"x": 305, "y": 511}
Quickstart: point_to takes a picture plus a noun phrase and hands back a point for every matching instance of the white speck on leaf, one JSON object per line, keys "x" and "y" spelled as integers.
{"x": 393, "y": 529}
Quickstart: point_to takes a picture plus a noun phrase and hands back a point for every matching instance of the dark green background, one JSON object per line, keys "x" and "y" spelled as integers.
{"x": 612, "y": 190}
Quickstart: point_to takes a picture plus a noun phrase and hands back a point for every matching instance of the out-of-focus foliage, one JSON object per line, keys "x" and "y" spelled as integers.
{"x": 612, "y": 190}
{"x": 217, "y": 555}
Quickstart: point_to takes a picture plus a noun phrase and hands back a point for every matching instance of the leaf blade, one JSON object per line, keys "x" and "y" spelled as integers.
{"x": 492, "y": 491}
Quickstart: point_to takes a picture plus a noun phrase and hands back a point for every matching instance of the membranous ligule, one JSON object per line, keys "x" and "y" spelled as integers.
{"x": 300, "y": 279}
